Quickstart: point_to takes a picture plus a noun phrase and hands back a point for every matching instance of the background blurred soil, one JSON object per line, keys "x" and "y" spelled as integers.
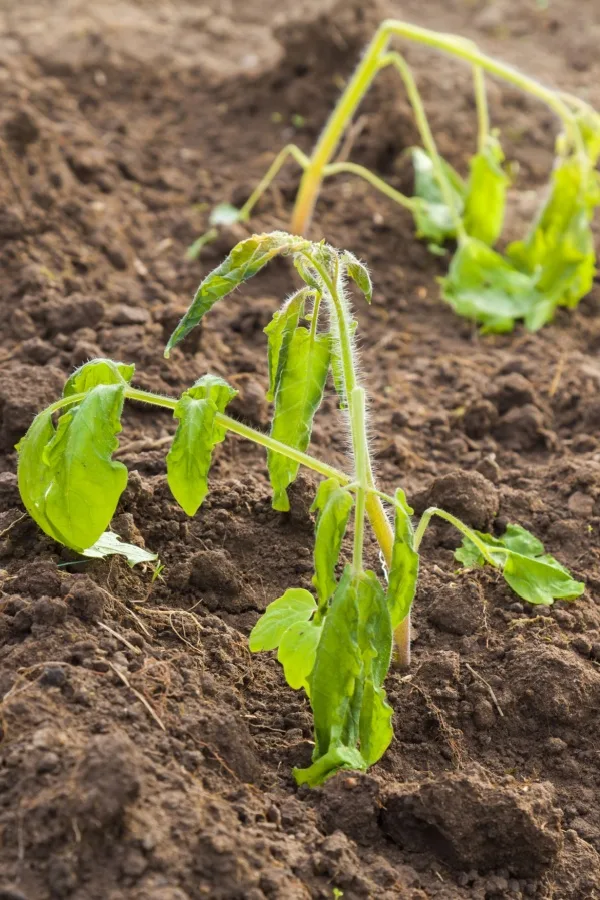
{"x": 146, "y": 755}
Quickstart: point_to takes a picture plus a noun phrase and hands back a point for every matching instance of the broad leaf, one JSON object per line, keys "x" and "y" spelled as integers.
{"x": 33, "y": 474}
{"x": 301, "y": 377}
{"x": 483, "y": 286}
{"x": 433, "y": 219}
{"x": 295, "y": 607}
{"x": 375, "y": 640}
{"x": 95, "y": 372}
{"x": 109, "y": 544}
{"x": 559, "y": 249}
{"x": 334, "y": 505}
{"x": 486, "y": 193}
{"x": 351, "y": 717}
{"x": 297, "y": 653}
{"x": 279, "y": 332}
{"x": 359, "y": 274}
{"x": 535, "y": 576}
{"x": 84, "y": 482}
{"x": 245, "y": 260}
{"x": 404, "y": 570}
{"x": 190, "y": 456}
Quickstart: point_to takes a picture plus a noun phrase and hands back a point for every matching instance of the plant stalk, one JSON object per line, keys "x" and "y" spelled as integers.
{"x": 362, "y": 79}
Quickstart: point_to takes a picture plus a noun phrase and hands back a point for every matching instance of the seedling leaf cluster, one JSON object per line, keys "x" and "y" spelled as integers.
{"x": 552, "y": 266}
{"x": 335, "y": 642}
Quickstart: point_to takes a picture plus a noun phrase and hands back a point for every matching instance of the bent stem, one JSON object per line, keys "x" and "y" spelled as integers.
{"x": 366, "y": 71}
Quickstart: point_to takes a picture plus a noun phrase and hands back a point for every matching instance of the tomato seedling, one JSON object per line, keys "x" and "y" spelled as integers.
{"x": 552, "y": 266}
{"x": 335, "y": 643}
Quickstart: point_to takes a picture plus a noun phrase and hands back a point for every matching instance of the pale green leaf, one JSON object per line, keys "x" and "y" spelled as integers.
{"x": 359, "y": 274}
{"x": 334, "y": 504}
{"x": 109, "y": 544}
{"x": 85, "y": 483}
{"x": 279, "y": 332}
{"x": 404, "y": 569}
{"x": 302, "y": 374}
{"x": 95, "y": 372}
{"x": 486, "y": 193}
{"x": 296, "y": 606}
{"x": 190, "y": 456}
{"x": 245, "y": 260}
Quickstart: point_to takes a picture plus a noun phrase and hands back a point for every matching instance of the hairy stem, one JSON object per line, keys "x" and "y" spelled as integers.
{"x": 464, "y": 529}
{"x": 270, "y": 174}
{"x": 357, "y": 406}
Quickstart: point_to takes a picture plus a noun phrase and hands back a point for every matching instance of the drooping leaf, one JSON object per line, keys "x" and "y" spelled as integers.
{"x": 486, "y": 193}
{"x": 433, "y": 218}
{"x": 351, "y": 717}
{"x": 333, "y": 504}
{"x": 535, "y": 576}
{"x": 559, "y": 249}
{"x": 84, "y": 483}
{"x": 359, "y": 274}
{"x": 334, "y": 681}
{"x": 95, "y": 372}
{"x": 245, "y": 260}
{"x": 109, "y": 544}
{"x": 301, "y": 374}
{"x": 296, "y": 605}
{"x": 33, "y": 474}
{"x": 375, "y": 640}
{"x": 279, "y": 332}
{"x": 404, "y": 569}
{"x": 540, "y": 581}
{"x": 190, "y": 456}
{"x": 307, "y": 273}
{"x": 483, "y": 286}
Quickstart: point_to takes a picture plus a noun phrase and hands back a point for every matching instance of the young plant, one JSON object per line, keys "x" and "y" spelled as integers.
{"x": 553, "y": 266}
{"x": 335, "y": 643}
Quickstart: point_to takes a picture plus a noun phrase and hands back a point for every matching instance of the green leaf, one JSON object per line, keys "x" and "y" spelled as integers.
{"x": 540, "y": 581}
{"x": 245, "y": 260}
{"x": 308, "y": 273}
{"x": 434, "y": 220}
{"x": 301, "y": 377}
{"x": 375, "y": 639}
{"x": 559, "y": 249}
{"x": 84, "y": 482}
{"x": 95, "y": 372}
{"x": 296, "y": 606}
{"x": 483, "y": 286}
{"x": 334, "y": 504}
{"x": 404, "y": 569}
{"x": 520, "y": 540}
{"x": 351, "y": 717}
{"x": 535, "y": 576}
{"x": 486, "y": 193}
{"x": 33, "y": 475}
{"x": 190, "y": 456}
{"x": 279, "y": 332}
{"x": 297, "y": 653}
{"x": 359, "y": 274}
{"x": 110, "y": 543}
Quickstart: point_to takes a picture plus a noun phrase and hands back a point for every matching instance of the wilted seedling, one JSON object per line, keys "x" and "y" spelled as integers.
{"x": 555, "y": 263}
{"x": 335, "y": 643}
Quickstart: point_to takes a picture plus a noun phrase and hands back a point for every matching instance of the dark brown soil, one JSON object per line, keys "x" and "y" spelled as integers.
{"x": 146, "y": 755}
